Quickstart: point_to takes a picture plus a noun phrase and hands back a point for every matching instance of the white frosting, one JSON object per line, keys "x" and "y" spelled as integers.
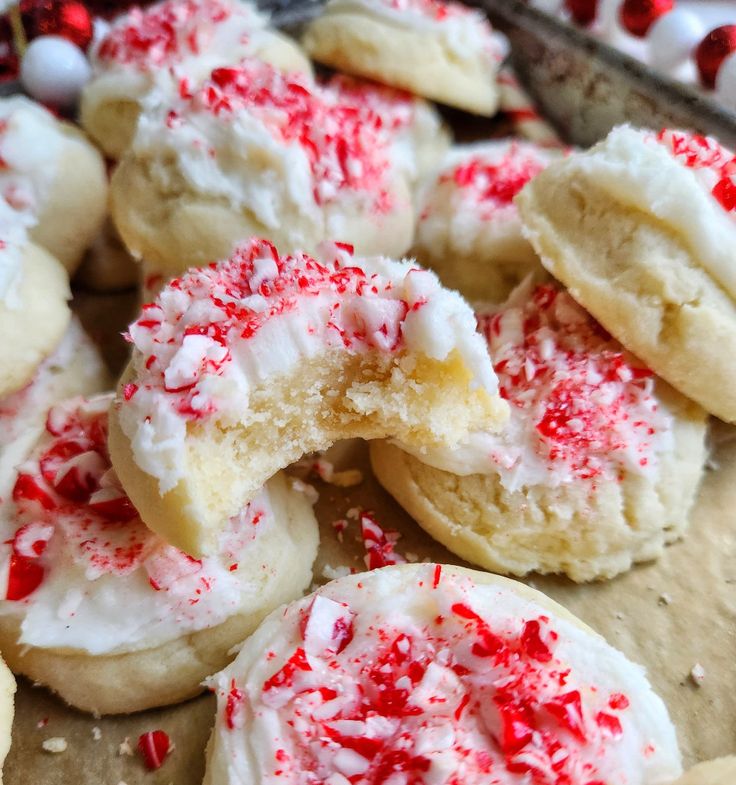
{"x": 416, "y": 674}
{"x": 271, "y": 144}
{"x": 640, "y": 171}
{"x": 148, "y": 51}
{"x": 13, "y": 241}
{"x": 466, "y": 32}
{"x": 467, "y": 206}
{"x": 74, "y": 368}
{"x": 581, "y": 408}
{"x": 284, "y": 310}
{"x": 108, "y": 583}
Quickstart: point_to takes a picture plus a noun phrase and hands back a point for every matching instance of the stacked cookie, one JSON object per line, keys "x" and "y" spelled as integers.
{"x": 149, "y": 531}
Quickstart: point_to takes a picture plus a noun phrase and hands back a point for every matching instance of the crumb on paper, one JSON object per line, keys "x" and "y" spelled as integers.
{"x": 96, "y": 733}
{"x": 346, "y": 478}
{"x": 665, "y": 598}
{"x": 339, "y": 526}
{"x": 55, "y": 744}
{"x": 697, "y": 674}
{"x": 308, "y": 490}
{"x": 619, "y": 615}
{"x": 42, "y": 723}
{"x": 333, "y": 573}
{"x": 124, "y": 747}
{"x": 411, "y": 557}
{"x": 353, "y": 513}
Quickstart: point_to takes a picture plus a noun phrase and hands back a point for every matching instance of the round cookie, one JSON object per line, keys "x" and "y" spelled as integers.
{"x": 255, "y": 152}
{"x": 75, "y": 367}
{"x": 241, "y": 368}
{"x": 443, "y": 51}
{"x": 419, "y": 136}
{"x": 105, "y": 613}
{"x": 721, "y": 771}
{"x": 52, "y": 179}
{"x": 7, "y": 711}
{"x": 641, "y": 229}
{"x": 597, "y": 468}
{"x": 431, "y": 673}
{"x": 34, "y": 289}
{"x": 147, "y": 54}
{"x": 468, "y": 228}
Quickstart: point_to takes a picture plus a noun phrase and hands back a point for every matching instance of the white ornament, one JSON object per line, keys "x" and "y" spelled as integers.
{"x": 54, "y": 70}
{"x": 673, "y": 37}
{"x": 726, "y": 82}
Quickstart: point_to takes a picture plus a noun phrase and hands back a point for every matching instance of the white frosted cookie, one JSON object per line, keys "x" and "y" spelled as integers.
{"x": 240, "y": 368}
{"x": 7, "y": 711}
{"x": 103, "y": 611}
{"x": 642, "y": 230}
{"x": 419, "y": 136}
{"x": 107, "y": 266}
{"x": 435, "y": 674}
{"x": 74, "y": 368}
{"x": 444, "y": 51}
{"x": 721, "y": 771}
{"x": 597, "y": 468}
{"x": 52, "y": 179}
{"x": 147, "y": 54}
{"x": 256, "y": 152}
{"x": 468, "y": 227}
{"x": 34, "y": 289}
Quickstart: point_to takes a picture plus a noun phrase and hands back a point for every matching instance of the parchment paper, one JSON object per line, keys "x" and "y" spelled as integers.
{"x": 668, "y": 615}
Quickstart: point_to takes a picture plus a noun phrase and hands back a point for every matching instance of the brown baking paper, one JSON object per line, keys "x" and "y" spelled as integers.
{"x": 668, "y": 615}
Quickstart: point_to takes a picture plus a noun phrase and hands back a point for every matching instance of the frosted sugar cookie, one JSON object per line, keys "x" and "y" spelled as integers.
{"x": 146, "y": 52}
{"x": 73, "y": 368}
{"x": 241, "y": 368}
{"x": 468, "y": 228}
{"x": 34, "y": 289}
{"x": 444, "y": 51}
{"x": 642, "y": 231}
{"x": 597, "y": 468}
{"x": 721, "y": 771}
{"x": 52, "y": 179}
{"x": 253, "y": 151}
{"x": 415, "y": 127}
{"x": 100, "y": 609}
{"x": 430, "y": 673}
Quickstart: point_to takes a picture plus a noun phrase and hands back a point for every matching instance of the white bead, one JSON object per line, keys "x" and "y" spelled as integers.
{"x": 726, "y": 82}
{"x": 673, "y": 37}
{"x": 54, "y": 70}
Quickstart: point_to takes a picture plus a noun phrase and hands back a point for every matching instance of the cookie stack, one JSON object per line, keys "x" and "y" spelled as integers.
{"x": 556, "y": 426}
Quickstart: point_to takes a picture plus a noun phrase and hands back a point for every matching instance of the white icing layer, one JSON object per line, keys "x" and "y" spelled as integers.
{"x": 468, "y": 205}
{"x": 215, "y": 335}
{"x": 465, "y": 31}
{"x": 581, "y": 408}
{"x": 417, "y": 675}
{"x": 13, "y": 240}
{"x": 685, "y": 181}
{"x": 83, "y": 572}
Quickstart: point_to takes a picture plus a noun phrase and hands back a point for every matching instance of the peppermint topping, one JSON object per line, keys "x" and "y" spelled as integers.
{"x": 491, "y": 181}
{"x": 435, "y": 9}
{"x": 70, "y": 507}
{"x": 169, "y": 32}
{"x": 344, "y": 144}
{"x": 715, "y": 163}
{"x": 154, "y": 746}
{"x": 584, "y": 407}
{"x": 442, "y": 694}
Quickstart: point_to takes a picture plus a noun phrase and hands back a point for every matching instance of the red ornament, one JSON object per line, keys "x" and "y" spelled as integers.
{"x": 712, "y": 51}
{"x": 583, "y": 12}
{"x": 637, "y": 16}
{"x": 66, "y": 18}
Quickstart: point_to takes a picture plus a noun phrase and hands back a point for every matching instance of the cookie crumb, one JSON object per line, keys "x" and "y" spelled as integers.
{"x": 665, "y": 598}
{"x": 411, "y": 557}
{"x": 333, "y": 573}
{"x": 353, "y": 513}
{"x": 55, "y": 744}
{"x": 124, "y": 747}
{"x": 619, "y": 615}
{"x": 308, "y": 490}
{"x": 697, "y": 674}
{"x": 42, "y": 723}
{"x": 96, "y": 733}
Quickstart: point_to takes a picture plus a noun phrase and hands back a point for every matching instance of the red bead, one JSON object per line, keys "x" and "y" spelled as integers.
{"x": 712, "y": 51}
{"x": 583, "y": 12}
{"x": 637, "y": 16}
{"x": 66, "y": 18}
